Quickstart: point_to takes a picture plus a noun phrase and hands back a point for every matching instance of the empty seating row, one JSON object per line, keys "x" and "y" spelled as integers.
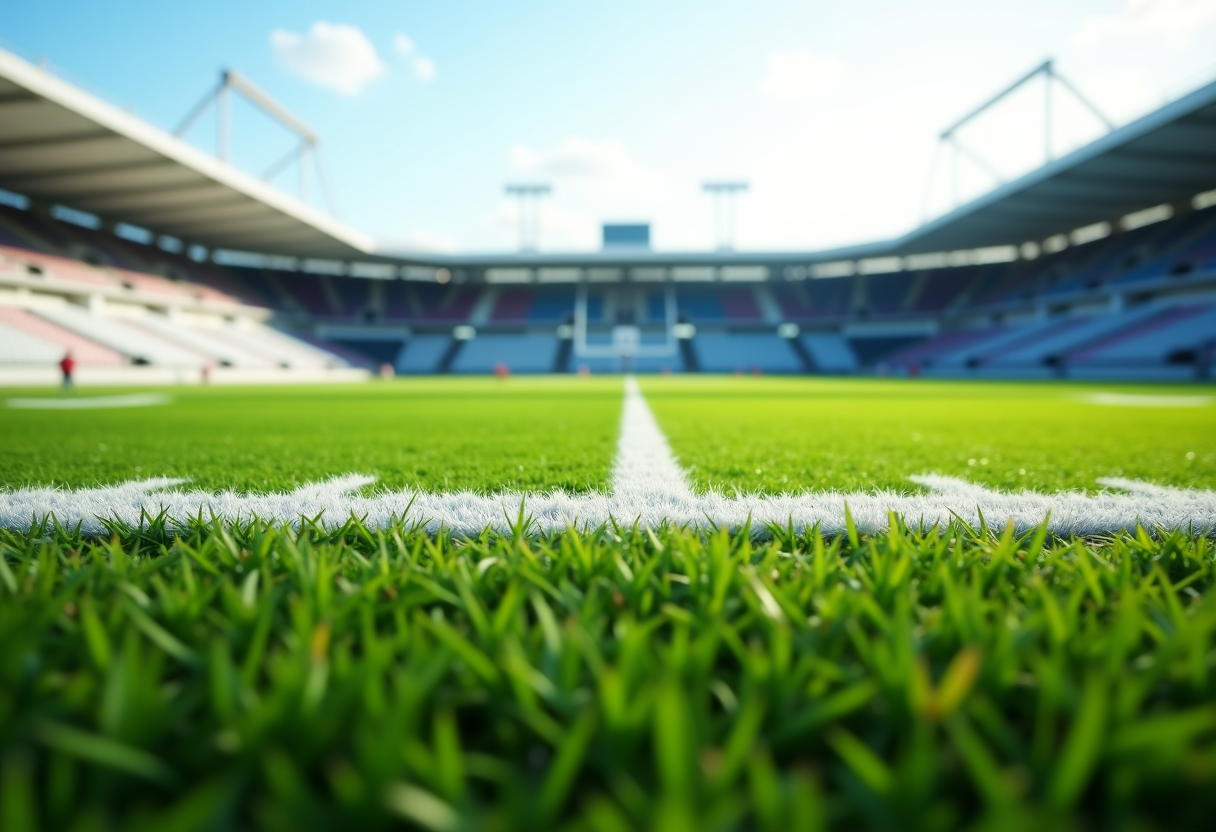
{"x": 64, "y": 339}
{"x": 830, "y": 353}
{"x": 519, "y": 353}
{"x": 20, "y": 347}
{"x": 745, "y": 352}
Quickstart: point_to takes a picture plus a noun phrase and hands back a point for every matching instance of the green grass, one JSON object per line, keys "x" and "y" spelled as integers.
{"x": 780, "y": 435}
{"x": 768, "y": 434}
{"x": 442, "y": 434}
{"x": 239, "y": 678}
{"x": 252, "y": 677}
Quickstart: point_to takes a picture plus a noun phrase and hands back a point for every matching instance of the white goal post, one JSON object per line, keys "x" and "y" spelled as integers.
{"x": 626, "y": 338}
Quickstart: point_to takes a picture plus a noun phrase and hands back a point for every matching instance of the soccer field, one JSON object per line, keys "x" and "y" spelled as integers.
{"x": 245, "y": 661}
{"x": 533, "y": 434}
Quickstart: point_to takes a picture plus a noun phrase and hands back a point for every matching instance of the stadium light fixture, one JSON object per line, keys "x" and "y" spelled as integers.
{"x": 301, "y": 154}
{"x": 529, "y": 194}
{"x": 724, "y": 194}
{"x": 949, "y": 137}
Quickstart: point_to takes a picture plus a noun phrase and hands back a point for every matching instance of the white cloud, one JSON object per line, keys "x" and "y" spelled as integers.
{"x": 403, "y": 44}
{"x": 336, "y": 56}
{"x": 1174, "y": 20}
{"x": 424, "y": 68}
{"x": 574, "y": 158}
{"x": 801, "y": 75}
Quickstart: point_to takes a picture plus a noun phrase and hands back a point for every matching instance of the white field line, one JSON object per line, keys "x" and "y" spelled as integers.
{"x": 648, "y": 487}
{"x": 89, "y": 402}
{"x": 1145, "y": 400}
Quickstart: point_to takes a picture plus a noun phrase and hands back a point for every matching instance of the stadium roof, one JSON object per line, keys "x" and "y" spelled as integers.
{"x": 1168, "y": 155}
{"x": 61, "y": 144}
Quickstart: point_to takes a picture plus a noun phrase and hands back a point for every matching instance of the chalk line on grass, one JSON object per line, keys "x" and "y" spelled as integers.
{"x": 1145, "y": 400}
{"x": 89, "y": 402}
{"x": 648, "y": 487}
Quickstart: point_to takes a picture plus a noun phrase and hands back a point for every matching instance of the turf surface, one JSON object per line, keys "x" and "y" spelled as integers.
{"x": 440, "y": 434}
{"x": 779, "y": 435}
{"x": 533, "y": 434}
{"x": 240, "y": 678}
{"x": 250, "y": 677}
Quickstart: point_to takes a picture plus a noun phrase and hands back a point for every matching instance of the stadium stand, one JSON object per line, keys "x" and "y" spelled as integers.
{"x": 520, "y": 353}
{"x": 887, "y": 293}
{"x": 369, "y": 351}
{"x": 136, "y": 345}
{"x": 1163, "y": 344}
{"x": 552, "y": 306}
{"x": 85, "y": 351}
{"x": 746, "y": 352}
{"x": 422, "y": 354}
{"x": 18, "y": 347}
{"x": 830, "y": 353}
{"x": 1042, "y": 347}
{"x": 212, "y": 344}
{"x": 943, "y": 288}
{"x": 119, "y": 305}
{"x": 1000, "y": 319}
{"x": 513, "y": 305}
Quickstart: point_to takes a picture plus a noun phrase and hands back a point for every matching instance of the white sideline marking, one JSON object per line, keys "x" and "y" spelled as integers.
{"x": 89, "y": 402}
{"x": 1145, "y": 400}
{"x": 648, "y": 487}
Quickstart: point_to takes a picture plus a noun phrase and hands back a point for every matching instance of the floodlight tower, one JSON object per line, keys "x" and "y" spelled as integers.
{"x": 529, "y": 194}
{"x": 950, "y": 141}
{"x": 724, "y": 194}
{"x": 306, "y": 151}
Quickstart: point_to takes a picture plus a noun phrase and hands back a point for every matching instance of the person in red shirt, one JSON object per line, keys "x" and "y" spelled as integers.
{"x": 67, "y": 364}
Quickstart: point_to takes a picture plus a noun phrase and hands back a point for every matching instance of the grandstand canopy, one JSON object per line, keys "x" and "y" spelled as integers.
{"x": 1168, "y": 155}
{"x": 61, "y": 144}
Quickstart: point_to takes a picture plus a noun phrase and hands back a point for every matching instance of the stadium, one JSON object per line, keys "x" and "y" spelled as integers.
{"x": 312, "y": 531}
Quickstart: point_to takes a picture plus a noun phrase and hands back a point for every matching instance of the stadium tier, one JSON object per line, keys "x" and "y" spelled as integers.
{"x": 1135, "y": 304}
{"x": 116, "y": 305}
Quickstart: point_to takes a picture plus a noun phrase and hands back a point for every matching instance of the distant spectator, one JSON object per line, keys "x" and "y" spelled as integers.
{"x": 67, "y": 364}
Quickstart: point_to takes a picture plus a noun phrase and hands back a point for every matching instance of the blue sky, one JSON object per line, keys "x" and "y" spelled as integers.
{"x": 829, "y": 110}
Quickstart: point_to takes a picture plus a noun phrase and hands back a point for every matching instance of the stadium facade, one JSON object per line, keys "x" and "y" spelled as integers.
{"x": 144, "y": 255}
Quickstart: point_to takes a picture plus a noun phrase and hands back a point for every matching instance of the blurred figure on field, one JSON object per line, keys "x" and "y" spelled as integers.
{"x": 386, "y": 370}
{"x": 67, "y": 365}
{"x": 584, "y": 371}
{"x": 501, "y": 370}
{"x": 207, "y": 373}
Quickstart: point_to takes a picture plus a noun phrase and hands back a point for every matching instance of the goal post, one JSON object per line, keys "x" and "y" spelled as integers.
{"x": 627, "y": 340}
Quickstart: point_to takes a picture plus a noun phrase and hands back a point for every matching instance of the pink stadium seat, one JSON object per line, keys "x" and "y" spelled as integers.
{"x": 85, "y": 352}
{"x": 59, "y": 268}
